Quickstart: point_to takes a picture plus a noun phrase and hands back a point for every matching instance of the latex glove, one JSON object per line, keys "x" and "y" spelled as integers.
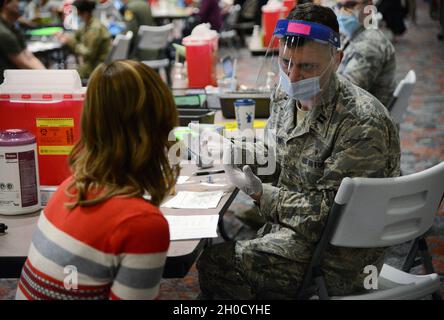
{"x": 244, "y": 179}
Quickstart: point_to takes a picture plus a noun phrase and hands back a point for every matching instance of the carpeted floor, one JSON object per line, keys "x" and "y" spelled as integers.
{"x": 422, "y": 139}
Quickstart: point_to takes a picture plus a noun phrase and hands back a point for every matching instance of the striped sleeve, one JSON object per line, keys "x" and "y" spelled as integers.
{"x": 143, "y": 243}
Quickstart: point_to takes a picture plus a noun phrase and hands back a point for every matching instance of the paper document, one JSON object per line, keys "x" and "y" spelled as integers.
{"x": 195, "y": 200}
{"x": 182, "y": 179}
{"x": 192, "y": 227}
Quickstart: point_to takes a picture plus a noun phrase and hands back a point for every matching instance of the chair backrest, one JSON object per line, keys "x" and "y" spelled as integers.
{"x": 380, "y": 212}
{"x": 120, "y": 48}
{"x": 154, "y": 37}
{"x": 401, "y": 97}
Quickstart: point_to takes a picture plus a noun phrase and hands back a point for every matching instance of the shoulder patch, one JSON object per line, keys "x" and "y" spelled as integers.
{"x": 129, "y": 15}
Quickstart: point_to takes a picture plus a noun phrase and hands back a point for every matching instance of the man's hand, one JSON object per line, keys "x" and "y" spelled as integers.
{"x": 62, "y": 37}
{"x": 244, "y": 179}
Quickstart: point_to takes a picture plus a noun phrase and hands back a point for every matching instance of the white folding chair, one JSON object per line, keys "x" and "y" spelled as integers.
{"x": 382, "y": 212}
{"x": 401, "y": 97}
{"x": 120, "y": 47}
{"x": 156, "y": 38}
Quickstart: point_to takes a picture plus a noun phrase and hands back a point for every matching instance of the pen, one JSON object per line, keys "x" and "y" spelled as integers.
{"x": 203, "y": 173}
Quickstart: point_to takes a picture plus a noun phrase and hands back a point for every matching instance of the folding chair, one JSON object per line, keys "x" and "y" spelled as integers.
{"x": 401, "y": 97}
{"x": 156, "y": 38}
{"x": 382, "y": 212}
{"x": 120, "y": 47}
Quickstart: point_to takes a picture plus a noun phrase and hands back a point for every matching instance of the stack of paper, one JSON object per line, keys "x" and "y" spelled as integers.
{"x": 192, "y": 227}
{"x": 195, "y": 200}
{"x": 182, "y": 179}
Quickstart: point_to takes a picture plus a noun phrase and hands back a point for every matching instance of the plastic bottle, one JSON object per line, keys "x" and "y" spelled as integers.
{"x": 19, "y": 177}
{"x": 256, "y": 38}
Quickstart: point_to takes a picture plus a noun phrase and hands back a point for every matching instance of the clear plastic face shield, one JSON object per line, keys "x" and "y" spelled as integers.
{"x": 300, "y": 60}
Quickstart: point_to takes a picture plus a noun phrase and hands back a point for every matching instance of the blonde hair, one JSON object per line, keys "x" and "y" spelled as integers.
{"x": 123, "y": 149}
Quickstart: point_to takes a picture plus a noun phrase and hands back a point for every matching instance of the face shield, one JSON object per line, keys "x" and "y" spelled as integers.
{"x": 302, "y": 64}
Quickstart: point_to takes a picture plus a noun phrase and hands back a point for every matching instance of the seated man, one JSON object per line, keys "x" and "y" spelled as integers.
{"x": 91, "y": 42}
{"x": 13, "y": 52}
{"x": 369, "y": 56}
{"x": 138, "y": 13}
{"x": 325, "y": 129}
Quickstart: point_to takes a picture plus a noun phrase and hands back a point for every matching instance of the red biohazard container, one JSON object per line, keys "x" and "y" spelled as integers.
{"x": 270, "y": 16}
{"x": 201, "y": 56}
{"x": 47, "y": 103}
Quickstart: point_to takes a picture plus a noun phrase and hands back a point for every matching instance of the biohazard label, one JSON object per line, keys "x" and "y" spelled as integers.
{"x": 55, "y": 136}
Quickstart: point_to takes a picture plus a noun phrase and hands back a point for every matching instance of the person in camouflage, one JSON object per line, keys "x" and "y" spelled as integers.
{"x": 369, "y": 56}
{"x": 138, "y": 13}
{"x": 91, "y": 42}
{"x": 348, "y": 134}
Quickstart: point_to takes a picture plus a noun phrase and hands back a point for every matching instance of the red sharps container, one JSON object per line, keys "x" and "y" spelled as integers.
{"x": 47, "y": 103}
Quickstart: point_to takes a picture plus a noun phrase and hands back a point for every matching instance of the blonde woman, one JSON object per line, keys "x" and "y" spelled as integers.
{"x": 98, "y": 238}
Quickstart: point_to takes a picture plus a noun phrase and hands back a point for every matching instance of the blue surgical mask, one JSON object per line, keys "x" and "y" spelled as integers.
{"x": 300, "y": 90}
{"x": 348, "y": 24}
{"x": 80, "y": 23}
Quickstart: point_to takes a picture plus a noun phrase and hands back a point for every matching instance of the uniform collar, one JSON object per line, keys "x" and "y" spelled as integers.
{"x": 346, "y": 41}
{"x": 318, "y": 119}
{"x": 357, "y": 32}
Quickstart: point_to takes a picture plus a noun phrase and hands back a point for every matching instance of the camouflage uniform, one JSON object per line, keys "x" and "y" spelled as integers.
{"x": 91, "y": 43}
{"x": 350, "y": 136}
{"x": 369, "y": 62}
{"x": 138, "y": 13}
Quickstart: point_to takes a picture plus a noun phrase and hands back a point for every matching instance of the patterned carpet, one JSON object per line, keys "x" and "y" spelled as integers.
{"x": 422, "y": 138}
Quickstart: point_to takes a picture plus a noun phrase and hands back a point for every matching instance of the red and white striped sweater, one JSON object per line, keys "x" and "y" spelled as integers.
{"x": 113, "y": 250}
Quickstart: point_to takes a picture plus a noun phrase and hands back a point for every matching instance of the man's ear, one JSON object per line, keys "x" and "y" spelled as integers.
{"x": 338, "y": 58}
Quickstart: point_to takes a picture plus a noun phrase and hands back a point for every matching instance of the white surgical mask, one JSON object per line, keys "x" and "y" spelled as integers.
{"x": 348, "y": 23}
{"x": 300, "y": 90}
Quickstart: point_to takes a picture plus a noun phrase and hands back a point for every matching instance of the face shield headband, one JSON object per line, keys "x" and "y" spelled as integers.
{"x": 309, "y": 30}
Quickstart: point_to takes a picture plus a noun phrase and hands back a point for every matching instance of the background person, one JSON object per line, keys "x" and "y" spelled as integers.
{"x": 207, "y": 12}
{"x": 136, "y": 14}
{"x": 91, "y": 42}
{"x": 369, "y": 57}
{"x": 13, "y": 52}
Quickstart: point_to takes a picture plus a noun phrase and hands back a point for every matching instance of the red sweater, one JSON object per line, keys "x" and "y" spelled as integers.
{"x": 116, "y": 249}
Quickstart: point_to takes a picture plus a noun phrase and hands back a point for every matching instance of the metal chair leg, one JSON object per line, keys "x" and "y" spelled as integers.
{"x": 410, "y": 259}
{"x": 425, "y": 256}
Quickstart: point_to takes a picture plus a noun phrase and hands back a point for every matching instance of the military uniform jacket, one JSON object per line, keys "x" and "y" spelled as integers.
{"x": 350, "y": 136}
{"x": 369, "y": 62}
{"x": 91, "y": 43}
{"x": 138, "y": 13}
{"x": 12, "y": 42}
